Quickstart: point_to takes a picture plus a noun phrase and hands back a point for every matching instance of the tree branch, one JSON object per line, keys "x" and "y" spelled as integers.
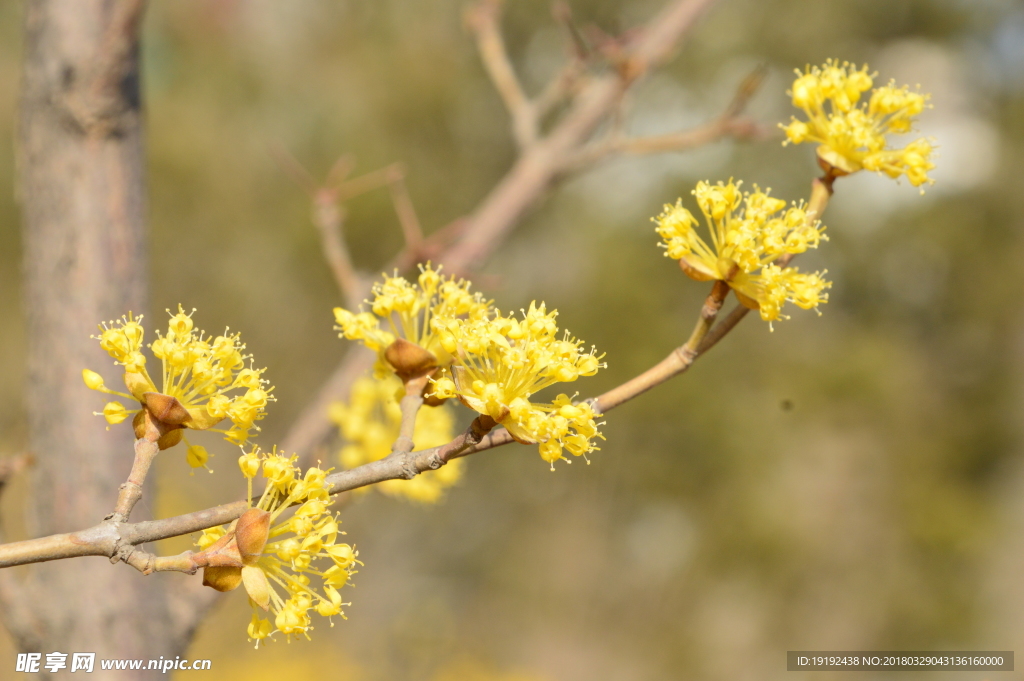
{"x": 118, "y": 540}
{"x": 527, "y": 181}
{"x": 730, "y": 123}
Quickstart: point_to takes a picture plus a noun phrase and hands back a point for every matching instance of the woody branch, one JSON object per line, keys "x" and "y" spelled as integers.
{"x": 119, "y": 540}
{"x": 490, "y": 224}
{"x": 593, "y": 99}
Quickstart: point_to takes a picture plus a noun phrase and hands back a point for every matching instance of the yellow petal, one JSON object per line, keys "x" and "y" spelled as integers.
{"x": 256, "y": 585}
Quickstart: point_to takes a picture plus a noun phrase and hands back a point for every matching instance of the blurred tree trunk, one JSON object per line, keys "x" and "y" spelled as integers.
{"x": 82, "y": 187}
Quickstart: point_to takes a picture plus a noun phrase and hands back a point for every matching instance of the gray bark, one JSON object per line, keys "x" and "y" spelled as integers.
{"x": 82, "y": 191}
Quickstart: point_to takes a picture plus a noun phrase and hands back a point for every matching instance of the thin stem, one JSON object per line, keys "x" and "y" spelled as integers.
{"x": 410, "y": 405}
{"x": 729, "y": 123}
{"x": 328, "y": 216}
{"x": 676, "y": 363}
{"x": 130, "y": 491}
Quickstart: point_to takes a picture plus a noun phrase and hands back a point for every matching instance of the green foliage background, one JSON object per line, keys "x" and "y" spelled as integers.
{"x": 847, "y": 482}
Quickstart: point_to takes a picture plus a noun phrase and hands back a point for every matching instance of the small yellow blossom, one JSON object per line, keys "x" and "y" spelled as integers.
{"x": 500, "y": 362}
{"x": 113, "y": 412}
{"x": 196, "y": 370}
{"x": 400, "y": 309}
{"x": 197, "y": 456}
{"x": 749, "y": 230}
{"x": 370, "y": 422}
{"x": 276, "y": 563}
{"x": 852, "y": 134}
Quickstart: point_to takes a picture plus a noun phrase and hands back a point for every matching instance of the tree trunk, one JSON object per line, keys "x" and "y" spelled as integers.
{"x": 82, "y": 186}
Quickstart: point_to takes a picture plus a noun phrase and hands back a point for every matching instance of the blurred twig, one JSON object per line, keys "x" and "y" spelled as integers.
{"x": 329, "y": 213}
{"x": 730, "y": 123}
{"x": 482, "y": 18}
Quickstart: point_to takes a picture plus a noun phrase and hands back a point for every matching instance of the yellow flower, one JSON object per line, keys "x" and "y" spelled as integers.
{"x": 852, "y": 134}
{"x": 409, "y": 311}
{"x": 500, "y": 362}
{"x": 203, "y": 380}
{"x": 276, "y": 562}
{"x": 749, "y": 230}
{"x": 370, "y": 421}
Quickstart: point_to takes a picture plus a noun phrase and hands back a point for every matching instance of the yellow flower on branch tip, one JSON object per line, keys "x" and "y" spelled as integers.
{"x": 203, "y": 380}
{"x": 403, "y": 310}
{"x": 501, "y": 362}
{"x": 369, "y": 422}
{"x": 851, "y": 134}
{"x": 748, "y": 230}
{"x": 276, "y": 562}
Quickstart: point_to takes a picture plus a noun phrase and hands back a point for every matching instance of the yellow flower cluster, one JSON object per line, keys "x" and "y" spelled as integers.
{"x": 196, "y": 370}
{"x": 404, "y": 310}
{"x": 852, "y": 134}
{"x": 370, "y": 422}
{"x": 749, "y": 230}
{"x": 283, "y": 557}
{"x": 500, "y": 362}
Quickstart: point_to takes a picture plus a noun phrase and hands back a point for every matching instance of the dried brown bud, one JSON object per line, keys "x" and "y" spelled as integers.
{"x": 222, "y": 578}
{"x": 251, "y": 534}
{"x": 166, "y": 409}
{"x": 139, "y": 425}
{"x": 170, "y": 438}
{"x": 223, "y": 552}
{"x": 409, "y": 359}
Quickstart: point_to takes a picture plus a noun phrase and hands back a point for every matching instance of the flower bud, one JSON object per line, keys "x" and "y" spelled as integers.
{"x": 92, "y": 380}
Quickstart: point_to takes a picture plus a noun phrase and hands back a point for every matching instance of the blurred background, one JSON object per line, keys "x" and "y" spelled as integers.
{"x": 852, "y": 482}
